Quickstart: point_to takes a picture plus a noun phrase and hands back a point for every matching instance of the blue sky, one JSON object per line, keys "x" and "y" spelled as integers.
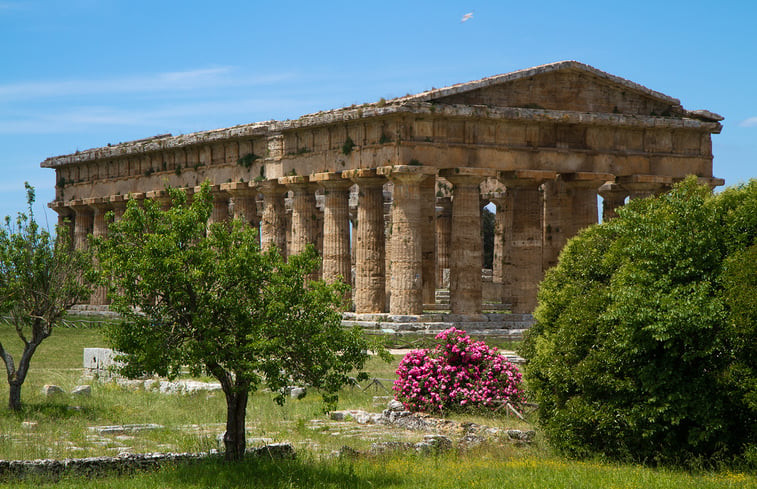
{"x": 77, "y": 74}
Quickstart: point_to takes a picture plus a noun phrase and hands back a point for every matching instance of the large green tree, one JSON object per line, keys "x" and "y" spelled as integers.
{"x": 40, "y": 278}
{"x": 205, "y": 297}
{"x": 644, "y": 343}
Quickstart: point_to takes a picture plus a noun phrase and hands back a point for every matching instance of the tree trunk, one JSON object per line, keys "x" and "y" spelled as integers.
{"x": 14, "y": 398}
{"x": 236, "y": 408}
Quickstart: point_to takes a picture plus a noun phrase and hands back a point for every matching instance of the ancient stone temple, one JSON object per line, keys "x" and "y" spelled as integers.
{"x": 392, "y": 192}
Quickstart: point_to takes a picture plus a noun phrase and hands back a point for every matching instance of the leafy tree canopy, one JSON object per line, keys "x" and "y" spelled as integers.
{"x": 644, "y": 344}
{"x": 205, "y": 297}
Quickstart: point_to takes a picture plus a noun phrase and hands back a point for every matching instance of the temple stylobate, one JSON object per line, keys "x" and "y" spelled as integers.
{"x": 391, "y": 192}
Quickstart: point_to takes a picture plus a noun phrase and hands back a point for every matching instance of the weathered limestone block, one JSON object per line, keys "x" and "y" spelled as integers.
{"x": 643, "y": 186}
{"x": 406, "y": 249}
{"x": 83, "y": 223}
{"x": 243, "y": 197}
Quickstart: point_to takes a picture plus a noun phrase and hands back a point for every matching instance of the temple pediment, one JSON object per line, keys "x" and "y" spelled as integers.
{"x": 566, "y": 85}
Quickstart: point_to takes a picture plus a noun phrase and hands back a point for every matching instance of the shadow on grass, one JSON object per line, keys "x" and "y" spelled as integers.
{"x": 255, "y": 472}
{"x": 53, "y": 410}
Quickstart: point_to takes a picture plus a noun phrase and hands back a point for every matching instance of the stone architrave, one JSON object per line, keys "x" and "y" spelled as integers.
{"x": 570, "y": 204}
{"x": 273, "y": 223}
{"x": 613, "y": 196}
{"x": 428, "y": 238}
{"x": 83, "y": 223}
{"x": 466, "y": 248}
{"x": 522, "y": 269}
{"x": 369, "y": 240}
{"x": 406, "y": 249}
{"x": 443, "y": 234}
{"x": 336, "y": 226}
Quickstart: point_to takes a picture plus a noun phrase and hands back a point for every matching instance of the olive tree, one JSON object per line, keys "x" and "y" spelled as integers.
{"x": 206, "y": 297}
{"x": 644, "y": 342}
{"x": 41, "y": 276}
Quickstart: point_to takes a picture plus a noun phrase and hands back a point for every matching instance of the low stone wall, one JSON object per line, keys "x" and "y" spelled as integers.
{"x": 124, "y": 463}
{"x": 501, "y": 325}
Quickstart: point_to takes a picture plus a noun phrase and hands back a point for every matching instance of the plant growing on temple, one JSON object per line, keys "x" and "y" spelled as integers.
{"x": 457, "y": 374}
{"x": 41, "y": 276}
{"x": 644, "y": 346}
{"x": 206, "y": 297}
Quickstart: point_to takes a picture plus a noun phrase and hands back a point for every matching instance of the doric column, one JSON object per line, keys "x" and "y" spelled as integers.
{"x": 369, "y": 239}
{"x": 336, "y": 226}
{"x": 522, "y": 268}
{"x": 613, "y": 196}
{"x": 243, "y": 195}
{"x": 428, "y": 238}
{"x": 500, "y": 224}
{"x": 643, "y": 186}
{"x": 388, "y": 199}
{"x": 273, "y": 222}
{"x": 406, "y": 247}
{"x": 99, "y": 207}
{"x": 570, "y": 204}
{"x": 83, "y": 223}
{"x": 443, "y": 234}
{"x": 304, "y": 212}
{"x": 466, "y": 248}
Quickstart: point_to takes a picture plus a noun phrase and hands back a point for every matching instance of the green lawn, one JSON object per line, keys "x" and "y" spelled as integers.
{"x": 62, "y": 430}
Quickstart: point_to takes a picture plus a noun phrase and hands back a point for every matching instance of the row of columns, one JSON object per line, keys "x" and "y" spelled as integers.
{"x": 537, "y": 214}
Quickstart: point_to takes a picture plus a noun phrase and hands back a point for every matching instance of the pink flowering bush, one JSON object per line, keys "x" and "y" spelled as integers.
{"x": 457, "y": 374}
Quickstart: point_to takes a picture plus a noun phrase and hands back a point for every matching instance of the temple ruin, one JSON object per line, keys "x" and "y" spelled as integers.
{"x": 391, "y": 192}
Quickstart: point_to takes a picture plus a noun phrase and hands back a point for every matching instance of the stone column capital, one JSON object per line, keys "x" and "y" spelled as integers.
{"x": 525, "y": 178}
{"x": 243, "y": 189}
{"x": 586, "y": 179}
{"x": 466, "y": 176}
{"x": 406, "y": 173}
{"x": 331, "y": 181}
{"x": 365, "y": 177}
{"x": 271, "y": 187}
{"x": 644, "y": 185}
{"x": 61, "y": 208}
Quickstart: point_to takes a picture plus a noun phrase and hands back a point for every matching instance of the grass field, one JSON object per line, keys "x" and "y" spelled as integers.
{"x": 60, "y": 428}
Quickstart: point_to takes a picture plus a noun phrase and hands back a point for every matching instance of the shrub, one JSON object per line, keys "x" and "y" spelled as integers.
{"x": 643, "y": 346}
{"x": 457, "y": 374}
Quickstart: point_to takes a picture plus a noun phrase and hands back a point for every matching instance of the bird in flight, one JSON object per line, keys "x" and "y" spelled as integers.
{"x": 467, "y": 17}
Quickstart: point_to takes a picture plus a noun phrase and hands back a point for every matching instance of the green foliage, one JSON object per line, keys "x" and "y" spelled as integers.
{"x": 348, "y": 145}
{"x": 206, "y": 297}
{"x": 40, "y": 278}
{"x": 247, "y": 160}
{"x": 644, "y": 343}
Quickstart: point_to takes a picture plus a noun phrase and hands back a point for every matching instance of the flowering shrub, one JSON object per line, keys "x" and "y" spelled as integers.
{"x": 458, "y": 373}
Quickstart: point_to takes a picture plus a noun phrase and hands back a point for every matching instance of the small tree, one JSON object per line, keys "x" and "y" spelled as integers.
{"x": 40, "y": 278}
{"x": 207, "y": 298}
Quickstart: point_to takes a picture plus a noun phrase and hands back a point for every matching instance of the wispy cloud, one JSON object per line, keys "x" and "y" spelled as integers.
{"x": 78, "y": 119}
{"x": 751, "y": 122}
{"x": 218, "y": 77}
